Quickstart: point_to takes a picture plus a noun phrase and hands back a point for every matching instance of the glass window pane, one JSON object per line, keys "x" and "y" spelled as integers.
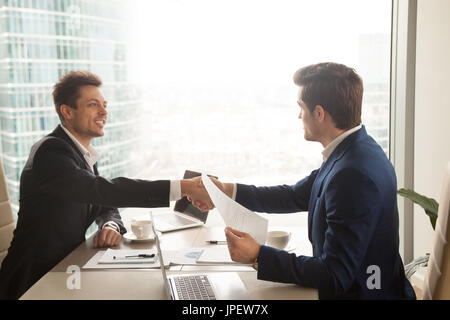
{"x": 218, "y": 80}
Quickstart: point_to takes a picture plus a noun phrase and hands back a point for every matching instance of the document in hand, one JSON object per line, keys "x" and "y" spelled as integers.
{"x": 235, "y": 215}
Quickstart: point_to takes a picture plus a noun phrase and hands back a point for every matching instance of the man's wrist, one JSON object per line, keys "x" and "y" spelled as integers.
{"x": 255, "y": 264}
{"x": 186, "y": 187}
{"x": 255, "y": 261}
{"x": 228, "y": 189}
{"x": 112, "y": 225}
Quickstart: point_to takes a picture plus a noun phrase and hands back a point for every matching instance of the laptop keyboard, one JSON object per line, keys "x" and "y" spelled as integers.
{"x": 175, "y": 220}
{"x": 195, "y": 287}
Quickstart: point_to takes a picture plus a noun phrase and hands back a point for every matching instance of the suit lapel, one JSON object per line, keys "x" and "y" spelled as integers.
{"x": 59, "y": 132}
{"x": 316, "y": 191}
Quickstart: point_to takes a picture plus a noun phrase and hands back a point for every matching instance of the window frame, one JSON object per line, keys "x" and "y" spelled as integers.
{"x": 401, "y": 151}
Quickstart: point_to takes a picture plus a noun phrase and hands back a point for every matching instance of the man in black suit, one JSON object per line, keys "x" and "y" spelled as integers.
{"x": 61, "y": 193}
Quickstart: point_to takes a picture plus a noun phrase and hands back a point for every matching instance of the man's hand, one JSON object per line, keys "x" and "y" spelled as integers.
{"x": 107, "y": 237}
{"x": 226, "y": 188}
{"x": 196, "y": 193}
{"x": 242, "y": 247}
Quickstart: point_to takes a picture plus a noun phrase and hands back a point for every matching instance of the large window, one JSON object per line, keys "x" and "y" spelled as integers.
{"x": 217, "y": 81}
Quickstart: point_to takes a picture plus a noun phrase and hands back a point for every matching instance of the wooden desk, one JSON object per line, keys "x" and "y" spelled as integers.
{"x": 138, "y": 284}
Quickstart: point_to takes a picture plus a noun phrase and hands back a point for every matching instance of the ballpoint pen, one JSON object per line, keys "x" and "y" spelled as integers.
{"x": 142, "y": 255}
{"x": 216, "y": 242}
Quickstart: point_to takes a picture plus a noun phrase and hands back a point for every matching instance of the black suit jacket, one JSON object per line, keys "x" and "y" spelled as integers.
{"x": 60, "y": 197}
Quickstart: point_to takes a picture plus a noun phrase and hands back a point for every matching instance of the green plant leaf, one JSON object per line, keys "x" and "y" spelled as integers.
{"x": 430, "y": 205}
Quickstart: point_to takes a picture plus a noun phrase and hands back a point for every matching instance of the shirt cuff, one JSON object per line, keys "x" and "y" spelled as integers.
{"x": 111, "y": 224}
{"x": 175, "y": 190}
{"x": 234, "y": 191}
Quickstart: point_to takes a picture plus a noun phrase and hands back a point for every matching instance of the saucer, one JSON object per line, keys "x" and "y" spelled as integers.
{"x": 131, "y": 236}
{"x": 290, "y": 247}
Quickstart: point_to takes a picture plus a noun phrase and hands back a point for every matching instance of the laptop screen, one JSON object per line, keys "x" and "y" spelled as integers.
{"x": 185, "y": 206}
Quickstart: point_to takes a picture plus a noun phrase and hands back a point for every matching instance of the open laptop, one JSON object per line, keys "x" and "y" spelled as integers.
{"x": 210, "y": 286}
{"x": 185, "y": 215}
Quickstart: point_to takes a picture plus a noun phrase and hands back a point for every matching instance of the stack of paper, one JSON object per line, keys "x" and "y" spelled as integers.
{"x": 183, "y": 257}
{"x": 105, "y": 260}
{"x": 216, "y": 255}
{"x": 127, "y": 256}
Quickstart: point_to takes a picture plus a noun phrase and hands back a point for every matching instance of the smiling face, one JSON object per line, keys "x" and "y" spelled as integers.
{"x": 89, "y": 118}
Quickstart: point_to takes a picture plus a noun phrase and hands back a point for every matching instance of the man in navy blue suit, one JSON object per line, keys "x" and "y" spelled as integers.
{"x": 351, "y": 200}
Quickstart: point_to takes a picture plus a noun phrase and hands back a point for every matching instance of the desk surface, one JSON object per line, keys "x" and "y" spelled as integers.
{"x": 137, "y": 284}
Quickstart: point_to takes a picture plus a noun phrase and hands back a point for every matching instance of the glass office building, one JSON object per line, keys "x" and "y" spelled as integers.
{"x": 40, "y": 41}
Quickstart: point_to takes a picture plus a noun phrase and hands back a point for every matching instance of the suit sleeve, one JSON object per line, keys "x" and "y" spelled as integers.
{"x": 58, "y": 174}
{"x": 107, "y": 214}
{"x": 353, "y": 205}
{"x": 277, "y": 199}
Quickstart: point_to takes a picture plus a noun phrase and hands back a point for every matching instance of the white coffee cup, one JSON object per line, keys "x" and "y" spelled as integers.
{"x": 278, "y": 239}
{"x": 142, "y": 229}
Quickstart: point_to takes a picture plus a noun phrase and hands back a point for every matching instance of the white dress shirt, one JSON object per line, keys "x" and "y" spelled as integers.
{"x": 91, "y": 156}
{"x": 333, "y": 144}
{"x": 325, "y": 153}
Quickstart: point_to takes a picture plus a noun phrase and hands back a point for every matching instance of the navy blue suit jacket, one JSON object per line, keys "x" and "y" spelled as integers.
{"x": 352, "y": 225}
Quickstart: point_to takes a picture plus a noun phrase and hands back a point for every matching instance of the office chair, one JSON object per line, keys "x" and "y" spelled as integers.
{"x": 436, "y": 285}
{"x": 7, "y": 224}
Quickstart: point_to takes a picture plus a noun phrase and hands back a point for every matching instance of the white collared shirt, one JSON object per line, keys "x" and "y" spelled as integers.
{"x": 90, "y": 154}
{"x": 333, "y": 144}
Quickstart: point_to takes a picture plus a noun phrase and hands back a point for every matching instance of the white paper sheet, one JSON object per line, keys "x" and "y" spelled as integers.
{"x": 215, "y": 234}
{"x": 183, "y": 257}
{"x": 171, "y": 257}
{"x": 93, "y": 264}
{"x": 216, "y": 255}
{"x": 235, "y": 215}
{"x": 117, "y": 256}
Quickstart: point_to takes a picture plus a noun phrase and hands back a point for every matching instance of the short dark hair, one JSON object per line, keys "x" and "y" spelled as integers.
{"x": 336, "y": 87}
{"x": 67, "y": 89}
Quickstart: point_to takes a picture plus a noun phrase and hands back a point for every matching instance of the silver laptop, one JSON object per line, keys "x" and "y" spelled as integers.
{"x": 210, "y": 286}
{"x": 171, "y": 221}
{"x": 184, "y": 216}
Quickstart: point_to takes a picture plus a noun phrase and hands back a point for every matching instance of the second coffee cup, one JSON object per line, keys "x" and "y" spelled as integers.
{"x": 278, "y": 239}
{"x": 142, "y": 229}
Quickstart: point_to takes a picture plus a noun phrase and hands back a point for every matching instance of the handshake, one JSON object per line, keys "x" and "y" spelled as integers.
{"x": 242, "y": 246}
{"x": 196, "y": 192}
